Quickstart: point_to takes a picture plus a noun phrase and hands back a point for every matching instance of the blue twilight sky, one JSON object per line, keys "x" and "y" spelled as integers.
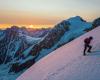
{"x": 46, "y": 11}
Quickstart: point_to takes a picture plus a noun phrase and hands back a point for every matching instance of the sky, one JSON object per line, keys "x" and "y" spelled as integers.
{"x": 46, "y": 12}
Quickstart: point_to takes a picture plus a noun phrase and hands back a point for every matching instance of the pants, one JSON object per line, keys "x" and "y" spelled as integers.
{"x": 87, "y": 48}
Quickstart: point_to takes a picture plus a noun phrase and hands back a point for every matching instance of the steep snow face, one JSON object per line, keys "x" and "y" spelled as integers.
{"x": 70, "y": 29}
{"x": 77, "y": 28}
{"x": 68, "y": 62}
{"x": 78, "y": 23}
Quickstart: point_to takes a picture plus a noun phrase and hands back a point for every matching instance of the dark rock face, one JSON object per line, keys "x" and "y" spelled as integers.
{"x": 8, "y": 45}
{"x": 51, "y": 38}
{"x": 13, "y": 43}
{"x": 5, "y": 44}
{"x": 12, "y": 46}
{"x": 96, "y": 22}
{"x": 16, "y": 67}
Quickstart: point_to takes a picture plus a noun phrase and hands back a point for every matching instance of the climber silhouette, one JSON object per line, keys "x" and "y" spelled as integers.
{"x": 87, "y": 46}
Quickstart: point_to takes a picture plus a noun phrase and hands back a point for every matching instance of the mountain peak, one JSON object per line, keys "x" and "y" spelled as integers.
{"x": 76, "y": 18}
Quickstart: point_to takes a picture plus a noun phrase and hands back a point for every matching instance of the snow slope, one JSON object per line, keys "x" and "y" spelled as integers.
{"x": 68, "y": 63}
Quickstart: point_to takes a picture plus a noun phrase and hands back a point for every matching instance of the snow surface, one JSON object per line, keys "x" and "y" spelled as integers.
{"x": 29, "y": 39}
{"x": 32, "y": 40}
{"x": 68, "y": 62}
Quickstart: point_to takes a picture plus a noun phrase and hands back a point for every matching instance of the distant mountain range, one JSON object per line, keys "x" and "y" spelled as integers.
{"x": 20, "y": 48}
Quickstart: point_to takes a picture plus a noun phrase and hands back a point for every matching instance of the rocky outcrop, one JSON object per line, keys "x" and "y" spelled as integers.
{"x": 96, "y": 22}
{"x": 17, "y": 67}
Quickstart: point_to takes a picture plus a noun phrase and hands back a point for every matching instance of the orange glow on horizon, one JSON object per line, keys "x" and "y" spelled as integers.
{"x": 4, "y": 26}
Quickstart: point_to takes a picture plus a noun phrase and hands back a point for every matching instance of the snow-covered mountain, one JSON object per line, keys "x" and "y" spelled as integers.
{"x": 61, "y": 34}
{"x": 32, "y": 32}
{"x": 68, "y": 62}
{"x": 13, "y": 43}
{"x": 19, "y": 50}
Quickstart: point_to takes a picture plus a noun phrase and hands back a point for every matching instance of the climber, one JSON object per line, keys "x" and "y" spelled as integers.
{"x": 87, "y": 46}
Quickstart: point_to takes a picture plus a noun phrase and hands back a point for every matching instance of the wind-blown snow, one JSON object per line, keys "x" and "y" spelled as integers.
{"x": 68, "y": 62}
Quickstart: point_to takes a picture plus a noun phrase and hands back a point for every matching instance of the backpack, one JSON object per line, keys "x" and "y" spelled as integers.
{"x": 86, "y": 41}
